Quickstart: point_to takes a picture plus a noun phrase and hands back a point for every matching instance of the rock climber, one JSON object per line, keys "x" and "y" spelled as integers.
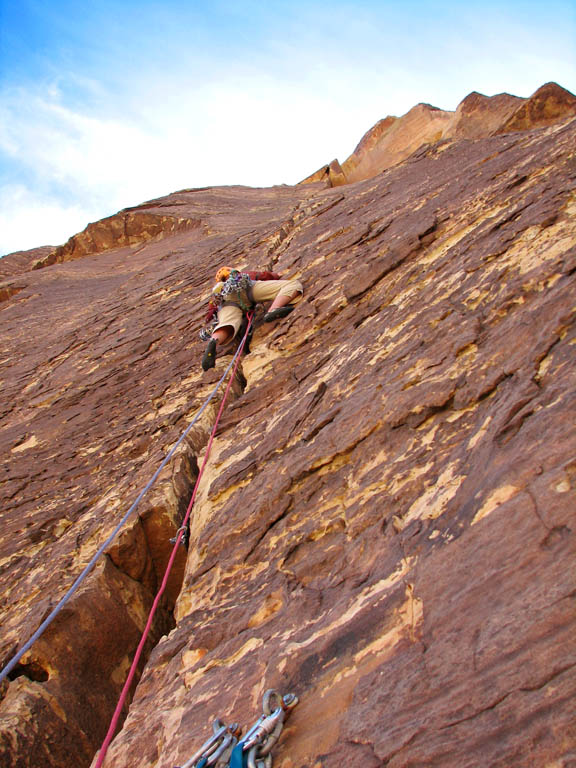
{"x": 237, "y": 292}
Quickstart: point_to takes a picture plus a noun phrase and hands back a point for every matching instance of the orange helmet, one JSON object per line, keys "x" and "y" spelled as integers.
{"x": 223, "y": 274}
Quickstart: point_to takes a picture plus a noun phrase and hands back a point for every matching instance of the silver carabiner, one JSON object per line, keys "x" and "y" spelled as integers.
{"x": 184, "y": 529}
{"x": 267, "y": 745}
{"x": 227, "y": 742}
{"x": 256, "y": 762}
{"x": 253, "y": 729}
{"x": 262, "y": 730}
{"x": 212, "y": 744}
{"x": 271, "y": 701}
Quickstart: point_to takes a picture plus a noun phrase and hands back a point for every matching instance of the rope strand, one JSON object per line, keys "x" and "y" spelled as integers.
{"x": 88, "y": 568}
{"x": 136, "y": 659}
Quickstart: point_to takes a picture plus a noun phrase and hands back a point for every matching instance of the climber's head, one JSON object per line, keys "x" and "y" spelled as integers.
{"x": 223, "y": 274}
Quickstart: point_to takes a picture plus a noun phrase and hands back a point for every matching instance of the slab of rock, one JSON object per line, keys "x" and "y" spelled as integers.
{"x": 99, "y": 376}
{"x": 385, "y": 526}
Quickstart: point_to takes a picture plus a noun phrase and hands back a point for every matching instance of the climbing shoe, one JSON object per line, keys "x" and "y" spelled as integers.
{"x": 275, "y": 314}
{"x": 209, "y": 358}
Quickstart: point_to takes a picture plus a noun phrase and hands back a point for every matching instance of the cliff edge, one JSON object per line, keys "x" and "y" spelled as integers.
{"x": 393, "y": 139}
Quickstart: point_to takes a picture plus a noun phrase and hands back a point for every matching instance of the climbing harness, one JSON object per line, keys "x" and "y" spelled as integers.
{"x": 131, "y": 673}
{"x": 224, "y": 750}
{"x": 89, "y": 567}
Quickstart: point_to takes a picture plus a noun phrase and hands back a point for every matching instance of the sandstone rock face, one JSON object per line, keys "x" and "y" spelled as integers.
{"x": 100, "y": 372}
{"x": 549, "y": 104}
{"x": 331, "y": 175}
{"x": 479, "y": 116}
{"x": 23, "y": 261}
{"x": 129, "y": 227}
{"x": 392, "y": 140}
{"x": 386, "y": 524}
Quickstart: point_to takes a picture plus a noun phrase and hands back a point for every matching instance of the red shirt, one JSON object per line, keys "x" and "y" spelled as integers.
{"x": 263, "y": 276}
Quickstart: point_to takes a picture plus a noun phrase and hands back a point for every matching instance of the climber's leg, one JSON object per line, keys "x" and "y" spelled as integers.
{"x": 229, "y": 321}
{"x": 223, "y": 334}
{"x": 280, "y": 307}
{"x": 283, "y": 294}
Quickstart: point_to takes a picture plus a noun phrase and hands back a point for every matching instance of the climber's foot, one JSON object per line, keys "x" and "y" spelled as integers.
{"x": 209, "y": 358}
{"x": 275, "y": 314}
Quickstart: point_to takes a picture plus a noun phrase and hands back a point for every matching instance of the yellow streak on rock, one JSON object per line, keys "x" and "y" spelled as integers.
{"x": 401, "y": 480}
{"x": 190, "y": 658}
{"x": 537, "y": 245}
{"x": 458, "y": 414}
{"x": 428, "y": 438}
{"x": 322, "y": 512}
{"x": 30, "y": 443}
{"x": 476, "y": 297}
{"x": 254, "y": 366}
{"x": 543, "y": 368}
{"x": 172, "y": 406}
{"x": 31, "y": 552}
{"x": 473, "y": 442}
{"x": 191, "y": 599}
{"x": 411, "y": 614}
{"x": 120, "y": 674}
{"x": 362, "y": 600}
{"x": 271, "y": 605}
{"x": 469, "y": 351}
{"x": 434, "y": 501}
{"x": 202, "y": 595}
{"x": 61, "y": 526}
{"x": 371, "y": 463}
{"x": 248, "y": 647}
{"x": 562, "y": 487}
{"x": 495, "y": 499}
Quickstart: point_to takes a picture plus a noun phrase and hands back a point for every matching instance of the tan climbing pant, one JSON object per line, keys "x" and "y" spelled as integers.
{"x": 262, "y": 290}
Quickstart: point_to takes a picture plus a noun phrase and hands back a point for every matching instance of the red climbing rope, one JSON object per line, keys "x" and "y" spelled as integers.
{"x": 146, "y": 632}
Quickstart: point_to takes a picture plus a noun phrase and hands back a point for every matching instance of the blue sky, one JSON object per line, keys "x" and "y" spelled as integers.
{"x": 107, "y": 104}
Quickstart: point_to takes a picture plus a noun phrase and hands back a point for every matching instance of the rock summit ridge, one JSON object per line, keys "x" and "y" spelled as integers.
{"x": 394, "y": 139}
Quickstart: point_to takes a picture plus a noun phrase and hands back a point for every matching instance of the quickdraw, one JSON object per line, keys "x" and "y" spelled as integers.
{"x": 185, "y": 530}
{"x": 224, "y": 738}
{"x": 224, "y": 749}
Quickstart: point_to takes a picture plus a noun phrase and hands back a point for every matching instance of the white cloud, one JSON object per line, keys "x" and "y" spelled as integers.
{"x": 75, "y": 167}
{"x": 28, "y": 220}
